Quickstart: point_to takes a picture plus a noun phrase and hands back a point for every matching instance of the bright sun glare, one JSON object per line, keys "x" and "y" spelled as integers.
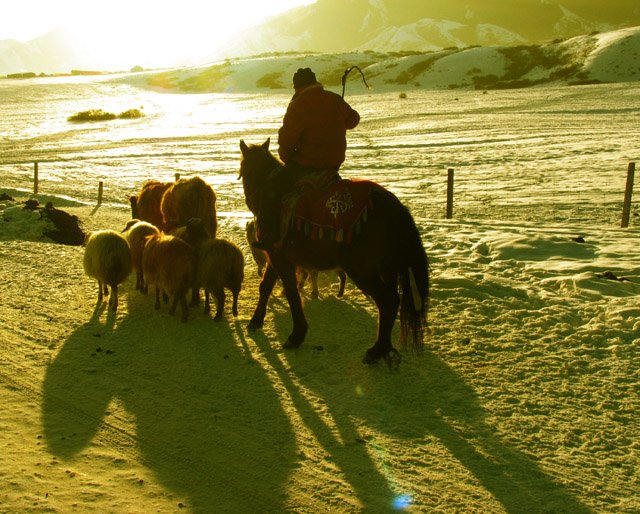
{"x": 157, "y": 29}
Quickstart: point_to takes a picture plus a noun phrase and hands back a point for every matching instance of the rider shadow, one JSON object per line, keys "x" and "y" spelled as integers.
{"x": 425, "y": 400}
{"x": 178, "y": 398}
{"x": 451, "y": 412}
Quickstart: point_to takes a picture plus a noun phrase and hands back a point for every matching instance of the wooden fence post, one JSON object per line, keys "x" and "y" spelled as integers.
{"x": 177, "y": 177}
{"x": 100, "y": 189}
{"x": 35, "y": 178}
{"x": 626, "y": 206}
{"x": 450, "y": 193}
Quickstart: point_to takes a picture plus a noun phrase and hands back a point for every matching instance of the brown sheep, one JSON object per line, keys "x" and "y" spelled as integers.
{"x": 169, "y": 263}
{"x": 136, "y": 232}
{"x": 220, "y": 266}
{"x": 186, "y": 199}
{"x": 145, "y": 206}
{"x": 194, "y": 233}
{"x": 107, "y": 258}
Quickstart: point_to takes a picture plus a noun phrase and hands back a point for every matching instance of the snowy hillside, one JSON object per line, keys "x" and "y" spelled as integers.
{"x": 608, "y": 57}
{"x": 338, "y": 26}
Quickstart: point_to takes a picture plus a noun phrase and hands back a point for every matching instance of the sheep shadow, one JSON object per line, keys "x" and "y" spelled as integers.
{"x": 192, "y": 395}
{"x": 426, "y": 403}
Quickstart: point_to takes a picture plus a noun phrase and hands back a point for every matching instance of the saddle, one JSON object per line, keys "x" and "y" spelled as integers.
{"x": 324, "y": 206}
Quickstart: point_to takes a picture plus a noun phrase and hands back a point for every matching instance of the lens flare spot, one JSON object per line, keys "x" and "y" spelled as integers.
{"x": 359, "y": 391}
{"x": 402, "y": 502}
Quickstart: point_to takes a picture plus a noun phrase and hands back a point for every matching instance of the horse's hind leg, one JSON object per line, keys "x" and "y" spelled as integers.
{"x": 384, "y": 292}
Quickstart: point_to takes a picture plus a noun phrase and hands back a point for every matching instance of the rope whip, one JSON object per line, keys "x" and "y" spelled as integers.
{"x": 346, "y": 74}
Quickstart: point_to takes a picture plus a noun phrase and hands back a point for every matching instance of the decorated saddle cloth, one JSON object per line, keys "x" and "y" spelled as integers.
{"x": 324, "y": 206}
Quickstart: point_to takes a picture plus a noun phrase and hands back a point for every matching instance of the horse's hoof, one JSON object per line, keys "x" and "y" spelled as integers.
{"x": 252, "y": 327}
{"x": 393, "y": 359}
{"x": 290, "y": 344}
{"x": 369, "y": 359}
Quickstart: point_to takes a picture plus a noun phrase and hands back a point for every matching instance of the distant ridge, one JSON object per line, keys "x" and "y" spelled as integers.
{"x": 427, "y": 25}
{"x": 607, "y": 57}
{"x": 342, "y": 26}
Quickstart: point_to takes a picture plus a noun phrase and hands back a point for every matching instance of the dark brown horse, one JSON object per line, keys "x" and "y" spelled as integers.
{"x": 385, "y": 255}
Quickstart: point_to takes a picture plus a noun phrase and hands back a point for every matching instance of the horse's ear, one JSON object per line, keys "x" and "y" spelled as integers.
{"x": 265, "y": 145}
{"x": 243, "y": 146}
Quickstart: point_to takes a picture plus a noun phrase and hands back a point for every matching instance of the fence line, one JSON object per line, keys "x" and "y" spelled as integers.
{"x": 626, "y": 206}
{"x": 450, "y": 193}
{"x": 626, "y": 209}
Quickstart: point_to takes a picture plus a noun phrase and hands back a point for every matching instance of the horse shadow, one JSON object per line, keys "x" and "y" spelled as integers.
{"x": 336, "y": 434}
{"x": 172, "y": 396}
{"x": 425, "y": 403}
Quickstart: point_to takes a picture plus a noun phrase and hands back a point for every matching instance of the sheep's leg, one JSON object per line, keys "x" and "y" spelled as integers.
{"x": 185, "y": 308}
{"x": 207, "y": 305}
{"x": 220, "y": 300}
{"x": 138, "y": 281}
{"x": 99, "y": 291}
{"x": 302, "y": 279}
{"x": 144, "y": 287}
{"x": 269, "y": 279}
{"x": 172, "y": 309}
{"x": 235, "y": 303}
{"x": 343, "y": 282}
{"x": 157, "y": 305}
{"x": 113, "y": 299}
{"x": 314, "y": 284}
{"x": 195, "y": 296}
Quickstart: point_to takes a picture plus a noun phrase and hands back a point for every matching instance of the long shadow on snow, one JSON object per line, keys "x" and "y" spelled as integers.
{"x": 207, "y": 421}
{"x": 425, "y": 399}
{"x": 339, "y": 440}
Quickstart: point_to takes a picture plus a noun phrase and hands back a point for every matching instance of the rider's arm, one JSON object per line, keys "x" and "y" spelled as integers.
{"x": 288, "y": 136}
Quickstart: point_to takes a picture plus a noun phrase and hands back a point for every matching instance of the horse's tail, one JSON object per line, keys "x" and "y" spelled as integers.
{"x": 414, "y": 286}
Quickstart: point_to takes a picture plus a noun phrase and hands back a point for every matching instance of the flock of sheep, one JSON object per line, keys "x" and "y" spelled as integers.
{"x": 170, "y": 243}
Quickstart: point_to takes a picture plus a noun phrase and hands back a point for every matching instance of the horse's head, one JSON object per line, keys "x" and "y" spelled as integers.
{"x": 256, "y": 164}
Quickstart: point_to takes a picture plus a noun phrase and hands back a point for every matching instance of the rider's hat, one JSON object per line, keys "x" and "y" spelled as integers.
{"x": 303, "y": 77}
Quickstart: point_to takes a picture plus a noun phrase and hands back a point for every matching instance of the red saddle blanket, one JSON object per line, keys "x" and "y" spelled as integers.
{"x": 325, "y": 206}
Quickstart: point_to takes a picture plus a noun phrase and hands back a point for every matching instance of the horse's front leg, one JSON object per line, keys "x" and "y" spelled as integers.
{"x": 290, "y": 284}
{"x": 269, "y": 279}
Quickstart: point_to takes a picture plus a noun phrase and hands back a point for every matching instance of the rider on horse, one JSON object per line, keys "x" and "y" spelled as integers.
{"x": 312, "y": 139}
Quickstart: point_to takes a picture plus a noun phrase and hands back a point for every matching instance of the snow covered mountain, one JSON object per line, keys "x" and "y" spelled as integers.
{"x": 427, "y": 25}
{"x": 338, "y": 26}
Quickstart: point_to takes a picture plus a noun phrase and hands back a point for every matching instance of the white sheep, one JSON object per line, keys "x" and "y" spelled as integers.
{"x": 107, "y": 258}
{"x": 220, "y": 266}
{"x": 169, "y": 263}
{"x": 259, "y": 256}
{"x": 136, "y": 232}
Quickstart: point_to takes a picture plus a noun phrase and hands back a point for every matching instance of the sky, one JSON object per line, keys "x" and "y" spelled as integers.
{"x": 167, "y": 26}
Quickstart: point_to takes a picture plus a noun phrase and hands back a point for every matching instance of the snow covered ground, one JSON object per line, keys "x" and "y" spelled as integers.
{"x": 525, "y": 400}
